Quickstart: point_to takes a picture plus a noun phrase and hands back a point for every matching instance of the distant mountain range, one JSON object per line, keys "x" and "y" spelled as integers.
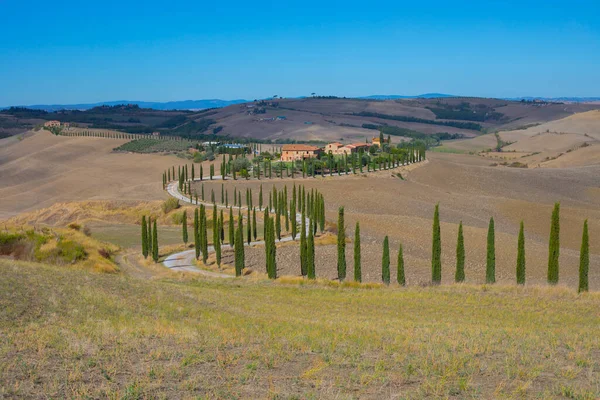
{"x": 170, "y": 105}
{"x": 217, "y": 103}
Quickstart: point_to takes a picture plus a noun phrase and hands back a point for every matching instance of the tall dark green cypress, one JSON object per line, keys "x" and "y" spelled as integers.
{"x": 254, "y": 229}
{"x": 231, "y": 228}
{"x": 554, "y": 246}
{"x": 238, "y": 247}
{"x": 303, "y": 270}
{"x": 184, "y": 230}
{"x": 260, "y": 198}
{"x": 436, "y": 249}
{"x": 459, "y": 276}
{"x": 144, "y": 237}
{"x": 272, "y": 251}
{"x": 400, "y": 277}
{"x": 155, "y": 243}
{"x": 310, "y": 252}
{"x": 249, "y": 228}
{"x": 149, "y": 236}
{"x": 385, "y": 262}
{"x": 584, "y": 260}
{"x": 490, "y": 266}
{"x": 341, "y": 246}
{"x": 217, "y": 240}
{"x": 357, "y": 261}
{"x": 197, "y": 246}
{"x": 521, "y": 256}
{"x": 204, "y": 234}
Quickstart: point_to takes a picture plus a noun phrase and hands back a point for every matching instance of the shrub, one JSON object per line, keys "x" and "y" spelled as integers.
{"x": 75, "y": 226}
{"x": 105, "y": 253}
{"x": 170, "y": 204}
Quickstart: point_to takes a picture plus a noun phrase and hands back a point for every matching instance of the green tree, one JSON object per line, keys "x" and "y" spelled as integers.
{"x": 436, "y": 249}
{"x": 249, "y": 228}
{"x": 144, "y": 237}
{"x": 521, "y": 256}
{"x": 231, "y": 228}
{"x": 254, "y": 233}
{"x": 155, "y": 243}
{"x": 341, "y": 246}
{"x": 310, "y": 253}
{"x": 217, "y": 239}
{"x": 554, "y": 246}
{"x": 239, "y": 248}
{"x": 357, "y": 263}
{"x": 260, "y": 198}
{"x": 584, "y": 260}
{"x": 303, "y": 246}
{"x": 385, "y": 262}
{"x": 490, "y": 266}
{"x": 197, "y": 246}
{"x": 184, "y": 225}
{"x": 459, "y": 276}
{"x": 400, "y": 274}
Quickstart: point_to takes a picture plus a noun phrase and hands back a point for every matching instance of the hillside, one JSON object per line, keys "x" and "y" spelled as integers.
{"x": 317, "y": 118}
{"x": 70, "y": 333}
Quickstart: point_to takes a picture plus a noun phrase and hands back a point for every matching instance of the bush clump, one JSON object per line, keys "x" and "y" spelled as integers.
{"x": 169, "y": 205}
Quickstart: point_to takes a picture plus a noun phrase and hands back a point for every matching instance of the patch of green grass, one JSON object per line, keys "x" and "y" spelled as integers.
{"x": 80, "y": 334}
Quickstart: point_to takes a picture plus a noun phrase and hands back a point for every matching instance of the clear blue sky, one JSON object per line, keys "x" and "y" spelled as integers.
{"x": 75, "y": 51}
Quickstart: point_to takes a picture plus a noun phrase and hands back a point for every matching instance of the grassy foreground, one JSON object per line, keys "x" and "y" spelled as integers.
{"x": 74, "y": 333}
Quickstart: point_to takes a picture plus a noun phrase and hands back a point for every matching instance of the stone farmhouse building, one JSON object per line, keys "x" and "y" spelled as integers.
{"x": 292, "y": 152}
{"x": 52, "y": 123}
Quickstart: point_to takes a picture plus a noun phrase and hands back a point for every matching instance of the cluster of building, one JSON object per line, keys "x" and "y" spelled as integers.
{"x": 292, "y": 152}
{"x": 56, "y": 124}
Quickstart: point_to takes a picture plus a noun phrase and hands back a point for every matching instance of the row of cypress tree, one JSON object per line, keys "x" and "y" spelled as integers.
{"x": 149, "y": 238}
{"x": 553, "y": 253}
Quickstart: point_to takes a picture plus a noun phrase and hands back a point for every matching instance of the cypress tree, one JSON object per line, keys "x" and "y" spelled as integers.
{"x": 357, "y": 265}
{"x": 184, "y": 227}
{"x": 310, "y": 253}
{"x": 521, "y": 256}
{"x": 293, "y": 220}
{"x": 144, "y": 237}
{"x": 222, "y": 194}
{"x": 221, "y": 228}
{"x": 267, "y": 235}
{"x": 400, "y": 274}
{"x": 260, "y": 198}
{"x": 385, "y": 262}
{"x": 249, "y": 228}
{"x": 278, "y": 224}
{"x": 490, "y": 269}
{"x": 155, "y": 243}
{"x": 554, "y": 246}
{"x": 201, "y": 172}
{"x": 217, "y": 240}
{"x": 341, "y": 246}
{"x": 254, "y": 223}
{"x": 238, "y": 246}
{"x": 231, "y": 228}
{"x": 204, "y": 241}
{"x": 303, "y": 270}
{"x": 584, "y": 260}
{"x": 196, "y": 233}
{"x": 459, "y": 276}
{"x": 436, "y": 249}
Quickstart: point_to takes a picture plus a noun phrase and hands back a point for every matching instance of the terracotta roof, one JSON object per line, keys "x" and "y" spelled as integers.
{"x": 338, "y": 144}
{"x": 298, "y": 147}
{"x": 358, "y": 145}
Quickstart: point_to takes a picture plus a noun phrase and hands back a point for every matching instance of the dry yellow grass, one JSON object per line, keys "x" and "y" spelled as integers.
{"x": 71, "y": 333}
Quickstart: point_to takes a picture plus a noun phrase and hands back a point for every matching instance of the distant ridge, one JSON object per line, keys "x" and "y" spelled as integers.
{"x": 218, "y": 103}
{"x": 170, "y": 105}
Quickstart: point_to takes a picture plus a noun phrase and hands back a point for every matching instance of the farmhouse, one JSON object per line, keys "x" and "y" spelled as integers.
{"x": 292, "y": 152}
{"x": 377, "y": 141}
{"x": 352, "y": 148}
{"x": 333, "y": 147}
{"x": 52, "y": 123}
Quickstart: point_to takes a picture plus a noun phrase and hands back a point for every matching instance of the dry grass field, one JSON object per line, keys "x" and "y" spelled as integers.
{"x": 147, "y": 332}
{"x": 74, "y": 334}
{"x": 43, "y": 169}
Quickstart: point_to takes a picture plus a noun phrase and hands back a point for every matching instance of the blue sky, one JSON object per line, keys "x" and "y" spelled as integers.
{"x": 75, "y": 52}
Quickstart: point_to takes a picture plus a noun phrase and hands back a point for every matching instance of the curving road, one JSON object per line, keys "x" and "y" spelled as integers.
{"x": 184, "y": 260}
